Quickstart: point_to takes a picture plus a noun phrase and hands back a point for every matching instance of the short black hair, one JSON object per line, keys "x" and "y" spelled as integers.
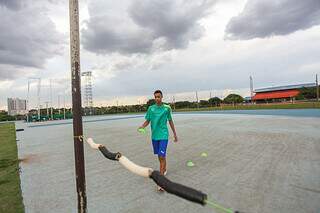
{"x": 157, "y": 91}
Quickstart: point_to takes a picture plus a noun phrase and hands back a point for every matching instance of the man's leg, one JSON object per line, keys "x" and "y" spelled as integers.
{"x": 155, "y": 145}
{"x": 162, "y": 158}
{"x": 163, "y": 164}
{"x": 162, "y": 155}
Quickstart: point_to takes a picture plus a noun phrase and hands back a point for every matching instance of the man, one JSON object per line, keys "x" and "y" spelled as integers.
{"x": 159, "y": 114}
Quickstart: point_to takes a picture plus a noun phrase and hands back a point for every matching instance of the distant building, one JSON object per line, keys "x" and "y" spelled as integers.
{"x": 17, "y": 106}
{"x": 280, "y": 93}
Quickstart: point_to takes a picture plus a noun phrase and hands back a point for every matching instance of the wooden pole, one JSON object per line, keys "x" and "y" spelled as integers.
{"x": 76, "y": 105}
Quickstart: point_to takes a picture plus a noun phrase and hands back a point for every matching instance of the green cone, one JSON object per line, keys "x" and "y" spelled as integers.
{"x": 190, "y": 163}
{"x": 203, "y": 154}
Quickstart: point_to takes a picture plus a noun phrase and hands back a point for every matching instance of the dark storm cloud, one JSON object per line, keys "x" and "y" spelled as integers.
{"x": 175, "y": 21}
{"x": 28, "y": 38}
{"x": 146, "y": 27}
{"x": 103, "y": 36}
{"x": 11, "y": 4}
{"x": 264, "y": 18}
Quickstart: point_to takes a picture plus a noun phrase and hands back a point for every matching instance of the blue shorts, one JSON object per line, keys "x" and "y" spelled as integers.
{"x": 160, "y": 147}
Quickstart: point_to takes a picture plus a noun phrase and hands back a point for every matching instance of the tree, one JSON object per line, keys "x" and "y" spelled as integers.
{"x": 5, "y": 117}
{"x": 307, "y": 93}
{"x": 233, "y": 99}
{"x": 204, "y": 103}
{"x": 215, "y": 101}
{"x": 184, "y": 104}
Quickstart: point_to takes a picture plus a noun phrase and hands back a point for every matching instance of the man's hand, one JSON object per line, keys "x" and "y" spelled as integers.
{"x": 174, "y": 131}
{"x": 175, "y": 138}
{"x": 144, "y": 125}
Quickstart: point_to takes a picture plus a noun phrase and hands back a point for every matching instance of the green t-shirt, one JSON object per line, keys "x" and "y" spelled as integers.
{"x": 158, "y": 116}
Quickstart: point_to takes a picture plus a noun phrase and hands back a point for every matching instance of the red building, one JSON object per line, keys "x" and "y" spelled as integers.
{"x": 280, "y": 93}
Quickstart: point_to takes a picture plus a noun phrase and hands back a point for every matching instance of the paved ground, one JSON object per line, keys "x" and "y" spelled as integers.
{"x": 255, "y": 163}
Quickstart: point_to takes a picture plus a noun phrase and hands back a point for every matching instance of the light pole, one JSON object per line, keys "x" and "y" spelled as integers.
{"x": 251, "y": 89}
{"x": 197, "y": 99}
{"x": 28, "y": 101}
{"x": 59, "y": 104}
{"x": 51, "y": 105}
{"x": 39, "y": 107}
{"x": 47, "y": 102}
{"x": 64, "y": 106}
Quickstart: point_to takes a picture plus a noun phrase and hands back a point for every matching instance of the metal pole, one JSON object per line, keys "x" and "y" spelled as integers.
{"x": 197, "y": 99}
{"x": 317, "y": 87}
{"x": 64, "y": 106}
{"x": 59, "y": 104}
{"x": 251, "y": 88}
{"x": 76, "y": 105}
{"x": 51, "y": 104}
{"x": 39, "y": 88}
{"x": 28, "y": 100}
{"x": 47, "y": 108}
{"x": 174, "y": 103}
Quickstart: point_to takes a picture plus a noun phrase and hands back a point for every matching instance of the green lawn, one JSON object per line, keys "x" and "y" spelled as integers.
{"x": 10, "y": 191}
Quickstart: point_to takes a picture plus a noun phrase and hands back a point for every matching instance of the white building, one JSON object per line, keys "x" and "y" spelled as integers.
{"x": 17, "y": 106}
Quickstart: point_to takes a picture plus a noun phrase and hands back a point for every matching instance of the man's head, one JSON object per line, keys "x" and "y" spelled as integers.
{"x": 158, "y": 96}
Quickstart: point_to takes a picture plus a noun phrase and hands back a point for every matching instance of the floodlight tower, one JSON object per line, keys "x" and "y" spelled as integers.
{"x": 88, "y": 102}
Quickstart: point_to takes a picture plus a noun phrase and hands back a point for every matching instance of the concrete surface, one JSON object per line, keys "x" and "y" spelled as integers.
{"x": 255, "y": 163}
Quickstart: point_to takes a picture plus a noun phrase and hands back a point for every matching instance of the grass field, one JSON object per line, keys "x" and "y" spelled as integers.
{"x": 10, "y": 192}
{"x": 303, "y": 105}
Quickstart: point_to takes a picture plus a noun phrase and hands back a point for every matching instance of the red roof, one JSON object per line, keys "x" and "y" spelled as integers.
{"x": 276, "y": 94}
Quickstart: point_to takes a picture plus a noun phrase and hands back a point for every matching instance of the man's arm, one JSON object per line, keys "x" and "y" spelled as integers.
{"x": 148, "y": 118}
{"x": 146, "y": 123}
{"x": 173, "y": 130}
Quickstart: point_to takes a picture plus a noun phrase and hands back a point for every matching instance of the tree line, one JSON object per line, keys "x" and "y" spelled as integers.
{"x": 305, "y": 94}
{"x": 212, "y": 102}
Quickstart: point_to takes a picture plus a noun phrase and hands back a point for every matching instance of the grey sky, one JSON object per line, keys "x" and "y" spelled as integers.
{"x": 265, "y": 18}
{"x": 28, "y": 38}
{"x": 163, "y": 25}
{"x": 179, "y": 46}
{"x": 12, "y": 4}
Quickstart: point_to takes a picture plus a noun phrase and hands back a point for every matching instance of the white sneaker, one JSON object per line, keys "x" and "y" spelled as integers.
{"x": 160, "y": 189}
{"x": 165, "y": 173}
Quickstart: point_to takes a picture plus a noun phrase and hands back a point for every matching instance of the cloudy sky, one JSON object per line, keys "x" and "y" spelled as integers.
{"x": 180, "y": 46}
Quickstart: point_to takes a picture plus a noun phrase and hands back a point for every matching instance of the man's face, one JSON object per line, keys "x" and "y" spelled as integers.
{"x": 158, "y": 98}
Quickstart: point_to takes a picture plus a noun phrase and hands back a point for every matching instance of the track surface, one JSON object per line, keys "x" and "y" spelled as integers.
{"x": 255, "y": 163}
